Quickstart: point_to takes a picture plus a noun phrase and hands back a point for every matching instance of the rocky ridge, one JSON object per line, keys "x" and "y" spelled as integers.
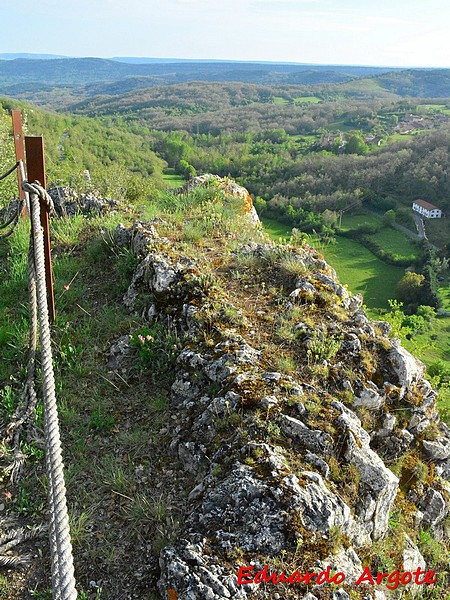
{"x": 289, "y": 469}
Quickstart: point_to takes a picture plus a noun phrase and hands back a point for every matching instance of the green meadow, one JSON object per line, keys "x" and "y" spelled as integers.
{"x": 172, "y": 179}
{"x": 355, "y": 265}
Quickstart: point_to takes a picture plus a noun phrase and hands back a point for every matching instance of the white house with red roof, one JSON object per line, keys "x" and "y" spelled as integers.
{"x": 426, "y": 209}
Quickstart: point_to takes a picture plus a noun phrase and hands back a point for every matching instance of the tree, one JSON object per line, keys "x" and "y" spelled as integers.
{"x": 389, "y": 217}
{"x": 186, "y": 170}
{"x": 410, "y": 290}
{"x": 260, "y": 204}
{"x": 356, "y": 145}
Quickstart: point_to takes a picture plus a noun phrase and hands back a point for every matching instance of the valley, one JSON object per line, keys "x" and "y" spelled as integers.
{"x": 200, "y": 358}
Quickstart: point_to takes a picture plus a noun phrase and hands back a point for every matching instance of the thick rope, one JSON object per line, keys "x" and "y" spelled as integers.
{"x": 63, "y": 579}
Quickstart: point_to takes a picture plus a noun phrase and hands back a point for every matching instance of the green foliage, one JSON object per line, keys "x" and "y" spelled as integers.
{"x": 157, "y": 350}
{"x": 356, "y": 145}
{"x": 8, "y": 186}
{"x": 433, "y": 551}
{"x": 8, "y": 402}
{"x": 410, "y": 290}
{"x": 260, "y": 205}
{"x": 323, "y": 346}
{"x": 389, "y": 217}
{"x": 186, "y": 170}
{"x": 101, "y": 420}
{"x": 439, "y": 370}
{"x": 405, "y": 325}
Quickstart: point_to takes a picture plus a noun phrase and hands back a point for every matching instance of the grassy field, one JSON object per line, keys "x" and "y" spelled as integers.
{"x": 391, "y": 240}
{"x": 354, "y": 221}
{"x": 172, "y": 178}
{"x": 307, "y": 99}
{"x": 363, "y": 272}
{"x": 299, "y": 100}
{"x": 395, "y": 242}
{"x": 279, "y": 100}
{"x": 275, "y": 229}
{"x": 441, "y": 108}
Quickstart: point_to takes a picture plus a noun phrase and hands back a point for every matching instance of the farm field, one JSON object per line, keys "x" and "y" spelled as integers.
{"x": 353, "y": 221}
{"x": 363, "y": 272}
{"x": 172, "y": 178}
{"x": 396, "y": 243}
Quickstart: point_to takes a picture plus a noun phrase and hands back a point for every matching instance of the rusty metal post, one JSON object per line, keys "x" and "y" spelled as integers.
{"x": 34, "y": 147}
{"x": 20, "y": 152}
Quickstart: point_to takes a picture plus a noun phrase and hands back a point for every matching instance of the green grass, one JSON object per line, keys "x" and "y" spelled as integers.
{"x": 354, "y": 221}
{"x": 307, "y": 100}
{"x": 395, "y": 242}
{"x": 173, "y": 179}
{"x": 279, "y": 100}
{"x": 363, "y": 272}
{"x": 275, "y": 229}
{"x": 440, "y": 108}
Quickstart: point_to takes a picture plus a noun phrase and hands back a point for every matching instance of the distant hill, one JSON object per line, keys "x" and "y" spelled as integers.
{"x": 63, "y": 71}
{"x": 415, "y": 83}
{"x": 12, "y": 56}
{"x": 96, "y": 85}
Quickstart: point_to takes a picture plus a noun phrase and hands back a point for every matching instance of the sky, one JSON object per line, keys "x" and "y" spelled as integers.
{"x": 359, "y": 32}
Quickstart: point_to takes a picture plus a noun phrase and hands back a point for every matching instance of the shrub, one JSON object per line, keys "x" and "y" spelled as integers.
{"x": 157, "y": 349}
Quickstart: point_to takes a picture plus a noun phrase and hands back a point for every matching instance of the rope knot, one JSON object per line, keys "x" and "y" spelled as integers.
{"x": 37, "y": 189}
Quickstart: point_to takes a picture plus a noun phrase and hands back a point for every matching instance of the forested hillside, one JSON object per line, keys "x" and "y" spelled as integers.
{"x": 311, "y": 159}
{"x": 119, "y": 161}
{"x": 225, "y": 400}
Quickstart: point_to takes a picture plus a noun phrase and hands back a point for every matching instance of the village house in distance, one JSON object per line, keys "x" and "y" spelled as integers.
{"x": 426, "y": 209}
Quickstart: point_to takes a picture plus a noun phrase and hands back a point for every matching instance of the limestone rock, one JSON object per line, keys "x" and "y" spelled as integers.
{"x": 378, "y": 485}
{"x": 340, "y": 595}
{"x": 68, "y": 203}
{"x": 230, "y": 188}
{"x": 407, "y": 368}
{"x": 65, "y": 200}
{"x": 353, "y": 303}
{"x": 383, "y": 326}
{"x": 369, "y": 398}
{"x": 315, "y": 440}
{"x": 122, "y": 236}
{"x": 142, "y": 236}
{"x": 333, "y": 284}
{"x": 347, "y": 561}
{"x": 193, "y": 575}
{"x": 437, "y": 449}
{"x": 319, "y": 463}
{"x": 412, "y": 559}
{"x": 243, "y": 510}
{"x": 434, "y": 508}
{"x": 302, "y": 287}
{"x": 120, "y": 353}
{"x": 320, "y": 509}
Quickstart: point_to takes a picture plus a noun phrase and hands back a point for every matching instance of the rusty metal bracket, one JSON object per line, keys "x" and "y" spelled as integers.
{"x": 20, "y": 153}
{"x": 34, "y": 147}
